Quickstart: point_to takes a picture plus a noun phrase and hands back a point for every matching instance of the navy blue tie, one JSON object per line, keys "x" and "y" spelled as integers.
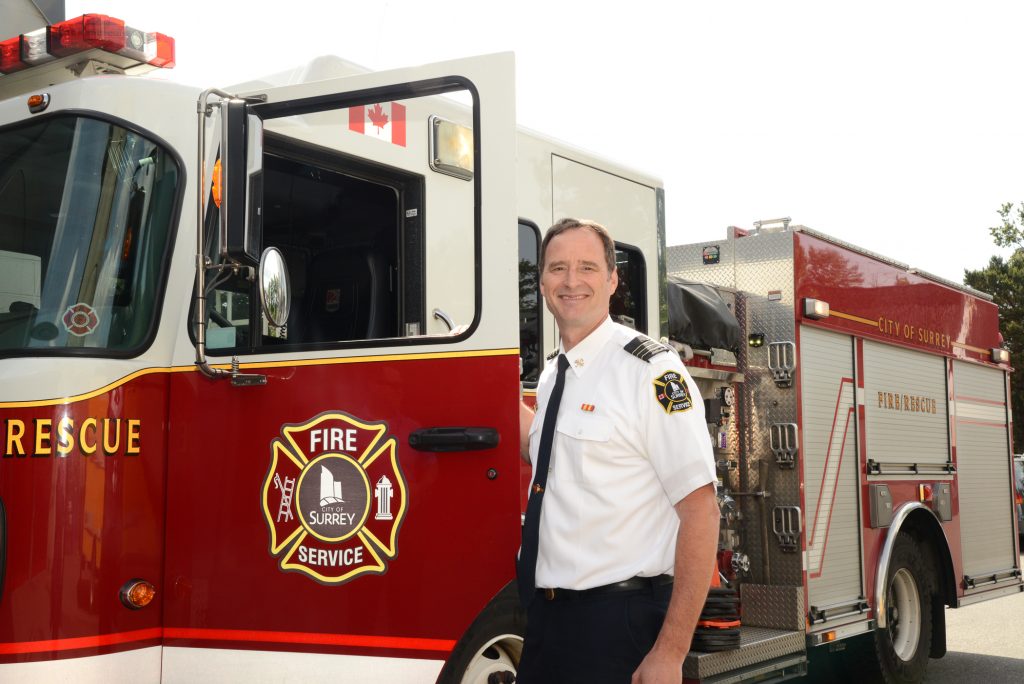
{"x": 526, "y": 569}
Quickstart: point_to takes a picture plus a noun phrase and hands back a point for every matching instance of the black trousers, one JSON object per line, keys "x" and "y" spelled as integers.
{"x": 597, "y": 639}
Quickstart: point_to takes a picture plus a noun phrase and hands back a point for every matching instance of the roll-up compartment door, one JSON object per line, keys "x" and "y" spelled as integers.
{"x": 983, "y": 469}
{"x": 905, "y": 406}
{"x": 829, "y": 428}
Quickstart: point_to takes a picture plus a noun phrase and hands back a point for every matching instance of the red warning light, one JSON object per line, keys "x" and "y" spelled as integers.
{"x": 85, "y": 32}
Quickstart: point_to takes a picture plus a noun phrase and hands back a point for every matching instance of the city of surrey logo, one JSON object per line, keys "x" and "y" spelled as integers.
{"x": 334, "y": 498}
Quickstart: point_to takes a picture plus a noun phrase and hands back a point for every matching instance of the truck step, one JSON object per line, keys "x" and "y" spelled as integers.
{"x": 764, "y": 655}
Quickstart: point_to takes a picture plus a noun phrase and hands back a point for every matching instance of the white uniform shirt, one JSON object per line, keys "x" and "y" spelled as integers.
{"x": 629, "y": 443}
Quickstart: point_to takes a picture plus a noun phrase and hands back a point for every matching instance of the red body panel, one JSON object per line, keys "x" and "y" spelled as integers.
{"x": 891, "y": 305}
{"x": 80, "y": 525}
{"x": 206, "y": 444}
{"x": 455, "y": 548}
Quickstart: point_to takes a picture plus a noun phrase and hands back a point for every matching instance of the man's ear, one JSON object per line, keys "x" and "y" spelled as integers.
{"x": 615, "y": 279}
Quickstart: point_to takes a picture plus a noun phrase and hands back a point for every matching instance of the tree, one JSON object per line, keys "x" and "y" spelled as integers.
{"x": 1004, "y": 280}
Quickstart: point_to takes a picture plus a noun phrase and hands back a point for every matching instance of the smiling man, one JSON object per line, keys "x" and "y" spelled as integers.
{"x": 621, "y": 526}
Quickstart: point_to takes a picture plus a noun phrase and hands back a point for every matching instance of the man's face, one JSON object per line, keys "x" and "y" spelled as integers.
{"x": 576, "y": 283}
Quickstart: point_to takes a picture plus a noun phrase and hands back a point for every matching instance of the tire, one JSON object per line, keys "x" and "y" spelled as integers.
{"x": 902, "y": 647}
{"x": 489, "y": 651}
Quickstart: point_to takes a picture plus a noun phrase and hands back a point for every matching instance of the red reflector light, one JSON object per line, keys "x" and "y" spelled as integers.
{"x": 1020, "y": 498}
{"x": 164, "y": 54}
{"x": 924, "y": 493}
{"x": 10, "y": 55}
{"x": 85, "y": 32}
{"x": 725, "y": 564}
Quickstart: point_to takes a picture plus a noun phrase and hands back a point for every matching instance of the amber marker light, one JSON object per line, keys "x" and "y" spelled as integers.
{"x": 137, "y": 593}
{"x": 828, "y": 636}
{"x": 38, "y": 102}
{"x": 215, "y": 187}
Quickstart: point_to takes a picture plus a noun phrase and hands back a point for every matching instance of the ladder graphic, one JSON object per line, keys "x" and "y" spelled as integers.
{"x": 284, "y": 513}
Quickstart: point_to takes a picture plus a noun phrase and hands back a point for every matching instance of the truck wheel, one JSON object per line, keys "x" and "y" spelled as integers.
{"x": 489, "y": 651}
{"x": 903, "y": 645}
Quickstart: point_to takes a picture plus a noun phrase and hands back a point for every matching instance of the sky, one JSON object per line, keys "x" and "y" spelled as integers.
{"x": 896, "y": 126}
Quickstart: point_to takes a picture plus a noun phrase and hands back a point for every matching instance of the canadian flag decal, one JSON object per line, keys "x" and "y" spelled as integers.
{"x": 384, "y": 120}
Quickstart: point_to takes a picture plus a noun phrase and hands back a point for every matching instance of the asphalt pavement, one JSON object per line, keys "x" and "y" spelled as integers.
{"x": 984, "y": 644}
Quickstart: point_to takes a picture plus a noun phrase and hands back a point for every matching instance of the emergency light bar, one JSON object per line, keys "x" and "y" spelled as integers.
{"x": 84, "y": 33}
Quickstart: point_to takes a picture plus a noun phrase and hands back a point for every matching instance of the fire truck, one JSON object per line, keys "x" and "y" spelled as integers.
{"x": 260, "y": 353}
{"x": 262, "y": 348}
{"x": 862, "y": 428}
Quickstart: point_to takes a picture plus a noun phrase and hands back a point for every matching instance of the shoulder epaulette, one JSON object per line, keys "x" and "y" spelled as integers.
{"x": 552, "y": 355}
{"x": 644, "y": 348}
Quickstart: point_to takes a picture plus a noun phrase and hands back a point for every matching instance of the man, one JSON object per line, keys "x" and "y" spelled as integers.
{"x": 628, "y": 496}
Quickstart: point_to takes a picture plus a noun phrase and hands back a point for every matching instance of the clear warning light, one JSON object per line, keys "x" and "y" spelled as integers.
{"x": 451, "y": 148}
{"x": 815, "y": 309}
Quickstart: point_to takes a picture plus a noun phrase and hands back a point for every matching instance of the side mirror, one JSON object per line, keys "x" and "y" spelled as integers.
{"x": 274, "y": 290}
{"x": 241, "y": 209}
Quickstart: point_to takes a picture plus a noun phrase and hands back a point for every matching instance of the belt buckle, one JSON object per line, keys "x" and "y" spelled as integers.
{"x": 549, "y": 594}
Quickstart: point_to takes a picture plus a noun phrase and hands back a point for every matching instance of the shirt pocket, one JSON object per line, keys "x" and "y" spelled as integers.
{"x": 585, "y": 438}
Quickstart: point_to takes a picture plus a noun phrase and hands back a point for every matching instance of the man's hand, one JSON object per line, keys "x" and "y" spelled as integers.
{"x": 694, "y": 563}
{"x": 659, "y": 668}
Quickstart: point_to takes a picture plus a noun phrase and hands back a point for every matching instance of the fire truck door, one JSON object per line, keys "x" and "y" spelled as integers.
{"x": 362, "y": 504}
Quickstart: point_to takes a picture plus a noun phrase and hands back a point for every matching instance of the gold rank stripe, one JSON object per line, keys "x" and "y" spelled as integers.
{"x": 259, "y": 364}
{"x": 851, "y": 317}
{"x": 968, "y": 347}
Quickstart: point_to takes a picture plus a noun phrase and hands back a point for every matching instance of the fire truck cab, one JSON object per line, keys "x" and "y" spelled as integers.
{"x": 261, "y": 351}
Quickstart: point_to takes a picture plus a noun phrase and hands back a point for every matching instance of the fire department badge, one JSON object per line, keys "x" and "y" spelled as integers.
{"x": 671, "y": 392}
{"x": 334, "y": 498}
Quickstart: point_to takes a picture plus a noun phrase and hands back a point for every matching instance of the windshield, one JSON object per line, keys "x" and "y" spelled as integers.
{"x": 85, "y": 216}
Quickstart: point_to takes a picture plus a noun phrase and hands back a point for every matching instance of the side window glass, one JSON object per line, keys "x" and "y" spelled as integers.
{"x": 529, "y": 302}
{"x": 629, "y": 303}
{"x": 343, "y": 237}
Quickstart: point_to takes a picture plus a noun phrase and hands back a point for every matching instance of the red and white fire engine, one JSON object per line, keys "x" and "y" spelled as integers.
{"x": 863, "y": 444}
{"x": 202, "y": 483}
{"x": 261, "y": 351}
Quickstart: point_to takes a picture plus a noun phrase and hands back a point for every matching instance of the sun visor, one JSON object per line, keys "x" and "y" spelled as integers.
{"x": 699, "y": 317}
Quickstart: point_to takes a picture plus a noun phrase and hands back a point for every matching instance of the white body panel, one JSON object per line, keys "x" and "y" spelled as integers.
{"x": 211, "y": 665}
{"x": 139, "y": 665}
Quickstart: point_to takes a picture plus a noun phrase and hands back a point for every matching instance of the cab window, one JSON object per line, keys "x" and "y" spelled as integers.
{"x": 629, "y": 302}
{"x": 530, "y": 318}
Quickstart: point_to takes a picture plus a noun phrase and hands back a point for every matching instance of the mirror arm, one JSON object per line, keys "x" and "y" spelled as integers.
{"x": 203, "y": 109}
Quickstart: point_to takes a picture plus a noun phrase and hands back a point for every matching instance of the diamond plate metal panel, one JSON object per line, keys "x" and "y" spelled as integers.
{"x": 776, "y": 607}
{"x": 764, "y": 276}
{"x": 687, "y": 262}
{"x": 757, "y": 645}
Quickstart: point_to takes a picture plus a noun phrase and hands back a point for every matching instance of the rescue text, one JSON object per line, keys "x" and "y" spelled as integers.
{"x": 46, "y": 437}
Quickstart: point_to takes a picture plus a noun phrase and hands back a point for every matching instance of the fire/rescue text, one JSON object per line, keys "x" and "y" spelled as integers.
{"x": 45, "y": 437}
{"x": 894, "y": 401}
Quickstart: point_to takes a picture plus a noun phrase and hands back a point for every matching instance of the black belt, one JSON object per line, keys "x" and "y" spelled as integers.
{"x": 632, "y": 584}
